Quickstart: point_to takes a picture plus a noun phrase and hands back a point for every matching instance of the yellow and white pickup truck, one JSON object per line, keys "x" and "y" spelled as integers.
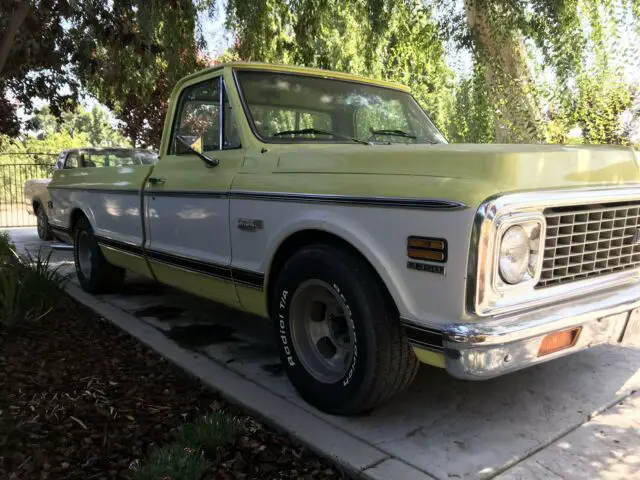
{"x": 331, "y": 206}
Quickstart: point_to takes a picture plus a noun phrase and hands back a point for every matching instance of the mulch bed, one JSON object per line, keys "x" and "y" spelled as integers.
{"x": 81, "y": 400}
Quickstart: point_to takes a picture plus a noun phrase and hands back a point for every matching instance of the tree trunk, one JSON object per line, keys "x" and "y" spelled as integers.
{"x": 501, "y": 54}
{"x": 19, "y": 14}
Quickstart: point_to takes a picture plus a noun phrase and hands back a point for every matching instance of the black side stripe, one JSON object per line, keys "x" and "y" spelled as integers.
{"x": 126, "y": 247}
{"x": 245, "y": 277}
{"x": 424, "y": 337}
{"x": 199, "y": 266}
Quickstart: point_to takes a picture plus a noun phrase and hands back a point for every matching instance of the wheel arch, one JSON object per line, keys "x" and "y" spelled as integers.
{"x": 35, "y": 204}
{"x": 315, "y": 236}
{"x": 76, "y": 214}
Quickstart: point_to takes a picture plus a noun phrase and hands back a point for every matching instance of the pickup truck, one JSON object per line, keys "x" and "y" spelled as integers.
{"x": 36, "y": 195}
{"x": 331, "y": 206}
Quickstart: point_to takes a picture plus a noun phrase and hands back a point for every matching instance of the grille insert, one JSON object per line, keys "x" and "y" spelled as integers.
{"x": 589, "y": 240}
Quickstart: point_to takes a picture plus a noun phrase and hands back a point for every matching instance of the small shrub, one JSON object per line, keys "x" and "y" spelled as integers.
{"x": 208, "y": 433}
{"x": 174, "y": 462}
{"x": 29, "y": 289}
{"x": 7, "y": 249}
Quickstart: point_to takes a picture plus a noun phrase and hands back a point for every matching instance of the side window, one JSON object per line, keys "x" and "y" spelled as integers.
{"x": 72, "y": 160}
{"x": 198, "y": 116}
{"x": 231, "y": 133}
{"x": 93, "y": 160}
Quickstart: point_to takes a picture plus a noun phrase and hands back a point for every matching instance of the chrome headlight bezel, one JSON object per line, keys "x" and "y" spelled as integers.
{"x": 492, "y": 292}
{"x": 528, "y": 222}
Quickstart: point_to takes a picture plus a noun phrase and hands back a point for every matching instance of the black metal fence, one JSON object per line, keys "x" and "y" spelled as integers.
{"x": 15, "y": 170}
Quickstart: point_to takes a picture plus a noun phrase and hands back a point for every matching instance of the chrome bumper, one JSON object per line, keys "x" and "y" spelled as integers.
{"x": 490, "y": 348}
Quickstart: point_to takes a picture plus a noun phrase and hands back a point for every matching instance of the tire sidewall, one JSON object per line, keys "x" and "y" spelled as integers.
{"x": 84, "y": 228}
{"x": 43, "y": 223}
{"x": 338, "y": 395}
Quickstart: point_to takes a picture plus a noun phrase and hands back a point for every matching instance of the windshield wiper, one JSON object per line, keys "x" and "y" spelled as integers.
{"x": 393, "y": 132}
{"x": 316, "y": 131}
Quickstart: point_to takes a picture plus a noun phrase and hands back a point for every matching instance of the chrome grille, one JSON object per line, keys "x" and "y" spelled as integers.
{"x": 590, "y": 240}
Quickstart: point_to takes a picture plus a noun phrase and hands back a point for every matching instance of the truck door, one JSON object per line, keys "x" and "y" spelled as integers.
{"x": 186, "y": 200}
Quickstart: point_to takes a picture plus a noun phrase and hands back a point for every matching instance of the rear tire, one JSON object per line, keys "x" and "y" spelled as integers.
{"x": 44, "y": 231}
{"x": 339, "y": 336}
{"x": 95, "y": 274}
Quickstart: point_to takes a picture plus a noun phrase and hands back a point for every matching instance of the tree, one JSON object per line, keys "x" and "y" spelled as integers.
{"x": 399, "y": 41}
{"x": 33, "y": 57}
{"x": 129, "y": 55}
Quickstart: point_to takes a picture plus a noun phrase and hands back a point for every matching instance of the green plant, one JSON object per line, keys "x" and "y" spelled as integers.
{"x": 29, "y": 288}
{"x": 7, "y": 248}
{"x": 174, "y": 462}
{"x": 208, "y": 433}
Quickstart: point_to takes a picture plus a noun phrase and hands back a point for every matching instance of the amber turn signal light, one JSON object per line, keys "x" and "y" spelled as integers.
{"x": 429, "y": 249}
{"x": 554, "y": 342}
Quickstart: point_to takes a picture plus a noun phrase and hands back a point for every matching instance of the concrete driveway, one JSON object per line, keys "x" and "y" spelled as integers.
{"x": 577, "y": 417}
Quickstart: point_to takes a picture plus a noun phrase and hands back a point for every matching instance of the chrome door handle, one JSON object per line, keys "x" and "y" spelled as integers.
{"x": 157, "y": 180}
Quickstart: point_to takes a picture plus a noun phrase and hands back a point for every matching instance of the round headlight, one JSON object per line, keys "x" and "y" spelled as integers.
{"x": 515, "y": 251}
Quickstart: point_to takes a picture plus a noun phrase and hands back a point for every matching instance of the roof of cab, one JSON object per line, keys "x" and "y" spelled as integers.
{"x": 317, "y": 72}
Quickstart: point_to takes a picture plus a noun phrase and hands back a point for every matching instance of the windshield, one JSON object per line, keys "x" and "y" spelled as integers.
{"x": 286, "y": 108}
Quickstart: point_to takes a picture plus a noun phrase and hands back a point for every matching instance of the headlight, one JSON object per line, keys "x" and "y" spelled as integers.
{"x": 515, "y": 253}
{"x": 519, "y": 256}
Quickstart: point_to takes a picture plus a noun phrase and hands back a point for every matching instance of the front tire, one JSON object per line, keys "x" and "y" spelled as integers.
{"x": 95, "y": 274}
{"x": 44, "y": 231}
{"x": 339, "y": 336}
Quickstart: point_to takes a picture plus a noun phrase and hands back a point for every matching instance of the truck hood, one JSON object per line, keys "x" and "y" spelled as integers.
{"x": 505, "y": 167}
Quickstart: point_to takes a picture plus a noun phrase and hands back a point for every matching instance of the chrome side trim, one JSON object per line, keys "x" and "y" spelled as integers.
{"x": 484, "y": 302}
{"x": 123, "y": 191}
{"x": 384, "y": 202}
{"x": 388, "y": 202}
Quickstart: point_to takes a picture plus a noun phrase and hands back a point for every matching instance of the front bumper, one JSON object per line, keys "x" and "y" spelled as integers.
{"x": 490, "y": 348}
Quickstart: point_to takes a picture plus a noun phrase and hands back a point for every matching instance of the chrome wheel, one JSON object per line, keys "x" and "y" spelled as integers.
{"x": 85, "y": 254}
{"x": 322, "y": 331}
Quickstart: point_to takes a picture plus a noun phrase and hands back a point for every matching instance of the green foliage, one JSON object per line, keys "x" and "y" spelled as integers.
{"x": 7, "y": 248}
{"x": 174, "y": 462}
{"x": 37, "y": 65}
{"x": 398, "y": 41}
{"x": 472, "y": 119}
{"x": 29, "y": 288}
{"x": 188, "y": 458}
{"x": 208, "y": 433}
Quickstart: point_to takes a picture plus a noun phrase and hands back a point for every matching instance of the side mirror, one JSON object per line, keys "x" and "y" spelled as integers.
{"x": 194, "y": 145}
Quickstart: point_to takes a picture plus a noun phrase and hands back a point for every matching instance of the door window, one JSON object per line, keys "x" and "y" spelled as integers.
{"x": 72, "y": 160}
{"x": 198, "y": 119}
